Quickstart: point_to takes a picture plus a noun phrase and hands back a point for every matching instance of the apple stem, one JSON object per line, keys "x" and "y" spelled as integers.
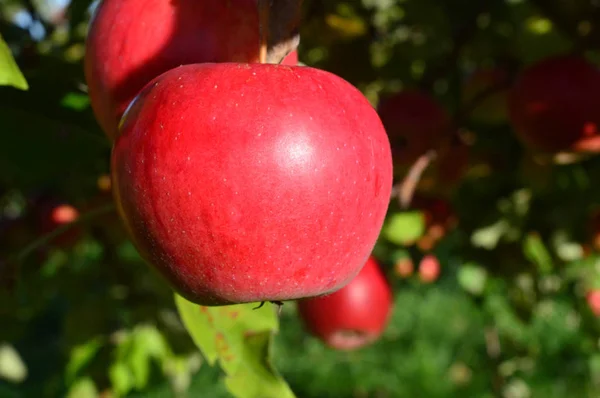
{"x": 263, "y": 26}
{"x": 407, "y": 187}
{"x": 44, "y": 239}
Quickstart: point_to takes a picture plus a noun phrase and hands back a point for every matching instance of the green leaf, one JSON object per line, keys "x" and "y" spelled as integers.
{"x": 489, "y": 236}
{"x": 83, "y": 388}
{"x": 257, "y": 366}
{"x": 12, "y": 367}
{"x": 239, "y": 338}
{"x": 404, "y": 228}
{"x": 81, "y": 356}
{"x": 535, "y": 250}
{"x": 120, "y": 378}
{"x": 10, "y": 74}
{"x": 472, "y": 278}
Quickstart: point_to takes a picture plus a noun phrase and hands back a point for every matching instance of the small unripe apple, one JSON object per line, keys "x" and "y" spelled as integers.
{"x": 429, "y": 268}
{"x": 130, "y": 42}
{"x": 355, "y": 315}
{"x": 252, "y": 182}
{"x": 554, "y": 105}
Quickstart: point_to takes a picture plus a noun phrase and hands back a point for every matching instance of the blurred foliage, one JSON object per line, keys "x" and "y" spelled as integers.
{"x": 508, "y": 316}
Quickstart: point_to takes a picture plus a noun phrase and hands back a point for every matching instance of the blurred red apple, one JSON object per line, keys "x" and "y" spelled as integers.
{"x": 53, "y": 214}
{"x": 593, "y": 301}
{"x": 554, "y": 105}
{"x": 355, "y": 315}
{"x": 404, "y": 267}
{"x": 415, "y": 123}
{"x": 429, "y": 268}
{"x": 252, "y": 182}
{"x": 130, "y": 42}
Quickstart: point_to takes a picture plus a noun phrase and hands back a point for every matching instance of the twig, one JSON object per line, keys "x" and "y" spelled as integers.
{"x": 279, "y": 28}
{"x": 9, "y": 269}
{"x": 263, "y": 26}
{"x": 407, "y": 187}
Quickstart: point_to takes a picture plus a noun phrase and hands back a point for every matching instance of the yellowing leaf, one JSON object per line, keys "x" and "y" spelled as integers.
{"x": 10, "y": 74}
{"x": 346, "y": 27}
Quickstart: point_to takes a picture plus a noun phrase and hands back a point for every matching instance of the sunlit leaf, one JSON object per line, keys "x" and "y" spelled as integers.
{"x": 10, "y": 74}
{"x": 12, "y": 367}
{"x": 404, "y": 228}
{"x": 535, "y": 250}
{"x": 239, "y": 338}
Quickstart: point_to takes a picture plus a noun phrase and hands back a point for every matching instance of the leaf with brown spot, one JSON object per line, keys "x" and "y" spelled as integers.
{"x": 239, "y": 337}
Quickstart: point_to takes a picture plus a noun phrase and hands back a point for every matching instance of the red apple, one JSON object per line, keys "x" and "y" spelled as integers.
{"x": 53, "y": 214}
{"x": 404, "y": 267}
{"x": 593, "y": 301}
{"x": 130, "y": 42}
{"x": 429, "y": 268}
{"x": 554, "y": 105}
{"x": 291, "y": 59}
{"x": 415, "y": 123}
{"x": 492, "y": 83}
{"x": 355, "y": 315}
{"x": 252, "y": 182}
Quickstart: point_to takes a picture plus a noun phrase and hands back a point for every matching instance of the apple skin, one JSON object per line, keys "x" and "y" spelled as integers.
{"x": 130, "y": 42}
{"x": 553, "y": 105}
{"x": 354, "y": 316}
{"x": 291, "y": 59}
{"x": 252, "y": 182}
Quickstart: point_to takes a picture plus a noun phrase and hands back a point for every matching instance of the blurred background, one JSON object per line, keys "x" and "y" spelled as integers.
{"x": 494, "y": 265}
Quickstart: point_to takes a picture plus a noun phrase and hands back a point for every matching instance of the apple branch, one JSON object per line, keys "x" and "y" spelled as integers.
{"x": 279, "y": 28}
{"x": 10, "y": 268}
{"x": 405, "y": 190}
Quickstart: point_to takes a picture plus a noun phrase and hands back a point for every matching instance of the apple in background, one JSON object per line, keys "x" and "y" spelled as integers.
{"x": 415, "y": 123}
{"x": 130, "y": 42}
{"x": 355, "y": 315}
{"x": 593, "y": 301}
{"x": 554, "y": 105}
{"x": 252, "y": 182}
{"x": 493, "y": 109}
{"x": 429, "y": 268}
{"x": 52, "y": 214}
{"x": 404, "y": 267}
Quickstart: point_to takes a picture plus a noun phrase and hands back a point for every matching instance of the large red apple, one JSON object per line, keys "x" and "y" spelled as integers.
{"x": 554, "y": 105}
{"x": 252, "y": 182}
{"x": 355, "y": 315}
{"x": 130, "y": 42}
